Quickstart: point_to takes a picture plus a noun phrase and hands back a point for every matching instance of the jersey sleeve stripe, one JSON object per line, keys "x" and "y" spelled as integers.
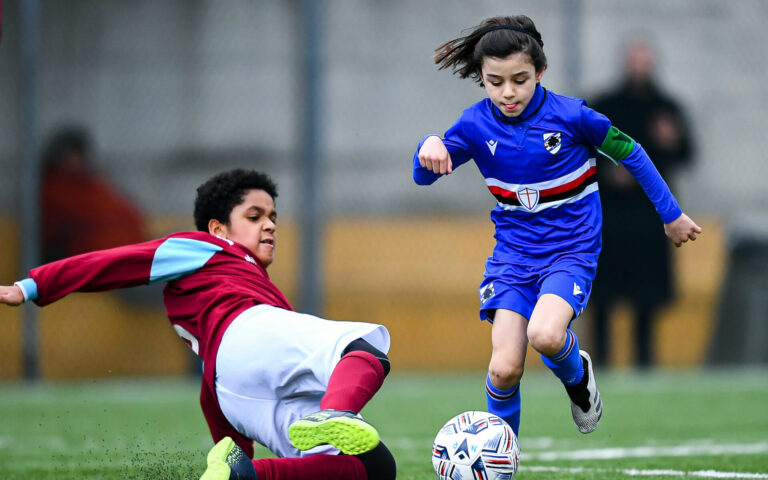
{"x": 177, "y": 257}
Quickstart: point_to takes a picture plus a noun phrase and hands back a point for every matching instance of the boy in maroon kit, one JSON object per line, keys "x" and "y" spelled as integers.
{"x": 292, "y": 382}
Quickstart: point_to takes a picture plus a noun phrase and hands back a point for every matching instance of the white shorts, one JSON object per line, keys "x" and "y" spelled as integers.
{"x": 273, "y": 366}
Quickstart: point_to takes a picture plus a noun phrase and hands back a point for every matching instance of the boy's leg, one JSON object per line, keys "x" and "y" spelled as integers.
{"x": 507, "y": 297}
{"x": 354, "y": 381}
{"x": 377, "y": 464}
{"x": 226, "y": 461}
{"x": 272, "y": 364}
{"x": 549, "y": 334}
{"x": 502, "y": 386}
{"x": 313, "y": 467}
{"x": 356, "y": 378}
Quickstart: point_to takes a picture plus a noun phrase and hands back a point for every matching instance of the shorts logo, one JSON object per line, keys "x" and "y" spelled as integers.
{"x": 528, "y": 197}
{"x": 553, "y": 141}
{"x": 486, "y": 293}
{"x": 577, "y": 289}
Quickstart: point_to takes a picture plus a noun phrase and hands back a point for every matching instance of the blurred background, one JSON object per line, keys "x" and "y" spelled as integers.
{"x": 112, "y": 112}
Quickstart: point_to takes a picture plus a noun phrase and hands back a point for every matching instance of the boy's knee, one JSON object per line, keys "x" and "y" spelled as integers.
{"x": 504, "y": 375}
{"x": 546, "y": 340}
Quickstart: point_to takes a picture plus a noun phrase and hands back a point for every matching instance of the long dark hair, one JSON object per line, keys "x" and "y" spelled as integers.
{"x": 494, "y": 37}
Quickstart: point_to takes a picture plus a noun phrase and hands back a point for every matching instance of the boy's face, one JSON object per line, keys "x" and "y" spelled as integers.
{"x": 252, "y": 224}
{"x": 510, "y": 82}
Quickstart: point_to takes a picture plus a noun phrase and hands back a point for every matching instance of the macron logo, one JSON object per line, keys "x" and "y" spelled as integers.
{"x": 577, "y": 289}
{"x": 492, "y": 144}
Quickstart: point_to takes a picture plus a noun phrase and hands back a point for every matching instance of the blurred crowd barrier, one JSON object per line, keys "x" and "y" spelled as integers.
{"x": 416, "y": 275}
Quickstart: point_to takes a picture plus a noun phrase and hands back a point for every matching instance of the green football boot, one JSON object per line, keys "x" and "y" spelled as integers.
{"x": 227, "y": 461}
{"x": 343, "y": 429}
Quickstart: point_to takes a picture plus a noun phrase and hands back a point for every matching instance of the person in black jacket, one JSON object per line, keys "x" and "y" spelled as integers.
{"x": 635, "y": 264}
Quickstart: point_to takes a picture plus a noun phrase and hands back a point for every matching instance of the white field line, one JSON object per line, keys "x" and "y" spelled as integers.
{"x": 649, "y": 473}
{"x": 690, "y": 449}
{"x": 644, "y": 452}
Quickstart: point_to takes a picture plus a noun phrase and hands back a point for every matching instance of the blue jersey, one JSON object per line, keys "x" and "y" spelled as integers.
{"x": 540, "y": 167}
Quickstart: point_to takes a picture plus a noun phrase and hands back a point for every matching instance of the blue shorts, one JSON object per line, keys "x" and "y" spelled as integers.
{"x": 519, "y": 287}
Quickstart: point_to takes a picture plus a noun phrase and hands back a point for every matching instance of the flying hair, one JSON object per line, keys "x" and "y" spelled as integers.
{"x": 496, "y": 37}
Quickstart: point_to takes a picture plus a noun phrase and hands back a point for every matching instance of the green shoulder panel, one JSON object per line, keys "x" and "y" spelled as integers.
{"x": 617, "y": 144}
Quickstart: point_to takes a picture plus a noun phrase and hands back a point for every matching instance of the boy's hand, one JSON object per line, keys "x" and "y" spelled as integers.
{"x": 11, "y": 295}
{"x": 434, "y": 156}
{"x": 681, "y": 230}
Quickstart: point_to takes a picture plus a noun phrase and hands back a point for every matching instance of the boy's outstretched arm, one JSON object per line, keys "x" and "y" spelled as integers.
{"x": 11, "y": 295}
{"x": 158, "y": 260}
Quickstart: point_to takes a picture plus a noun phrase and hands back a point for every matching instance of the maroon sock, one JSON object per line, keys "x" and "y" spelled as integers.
{"x": 355, "y": 380}
{"x": 315, "y": 467}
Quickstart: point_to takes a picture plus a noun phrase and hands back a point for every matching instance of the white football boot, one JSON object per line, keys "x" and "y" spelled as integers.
{"x": 586, "y": 404}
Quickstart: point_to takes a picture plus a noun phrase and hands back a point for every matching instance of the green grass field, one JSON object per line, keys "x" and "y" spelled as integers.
{"x": 656, "y": 425}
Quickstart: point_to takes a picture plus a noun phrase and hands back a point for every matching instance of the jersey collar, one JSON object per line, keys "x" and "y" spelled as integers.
{"x": 538, "y": 99}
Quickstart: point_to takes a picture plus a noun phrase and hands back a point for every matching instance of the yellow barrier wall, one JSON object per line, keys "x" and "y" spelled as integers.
{"x": 417, "y": 276}
{"x": 10, "y": 318}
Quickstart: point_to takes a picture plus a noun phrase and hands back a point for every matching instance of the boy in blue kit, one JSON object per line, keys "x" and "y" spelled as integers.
{"x": 537, "y": 152}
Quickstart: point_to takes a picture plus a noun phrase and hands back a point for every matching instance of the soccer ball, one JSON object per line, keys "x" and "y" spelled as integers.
{"x": 475, "y": 446}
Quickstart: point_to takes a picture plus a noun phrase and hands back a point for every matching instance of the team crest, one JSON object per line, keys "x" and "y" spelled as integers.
{"x": 486, "y": 292}
{"x": 528, "y": 197}
{"x": 553, "y": 141}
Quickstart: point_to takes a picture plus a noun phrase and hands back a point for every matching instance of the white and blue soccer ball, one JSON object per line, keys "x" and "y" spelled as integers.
{"x": 476, "y": 446}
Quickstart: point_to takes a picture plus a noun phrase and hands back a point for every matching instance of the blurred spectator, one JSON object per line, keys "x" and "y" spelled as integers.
{"x": 635, "y": 264}
{"x": 81, "y": 210}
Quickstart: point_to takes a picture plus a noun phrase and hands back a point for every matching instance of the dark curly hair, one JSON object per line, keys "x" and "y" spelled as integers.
{"x": 489, "y": 39}
{"x": 219, "y": 195}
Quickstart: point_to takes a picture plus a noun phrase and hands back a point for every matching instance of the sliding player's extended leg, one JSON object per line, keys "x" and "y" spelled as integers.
{"x": 354, "y": 381}
{"x": 226, "y": 461}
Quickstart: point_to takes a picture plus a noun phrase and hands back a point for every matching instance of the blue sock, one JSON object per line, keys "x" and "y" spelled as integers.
{"x": 504, "y": 403}
{"x": 567, "y": 364}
